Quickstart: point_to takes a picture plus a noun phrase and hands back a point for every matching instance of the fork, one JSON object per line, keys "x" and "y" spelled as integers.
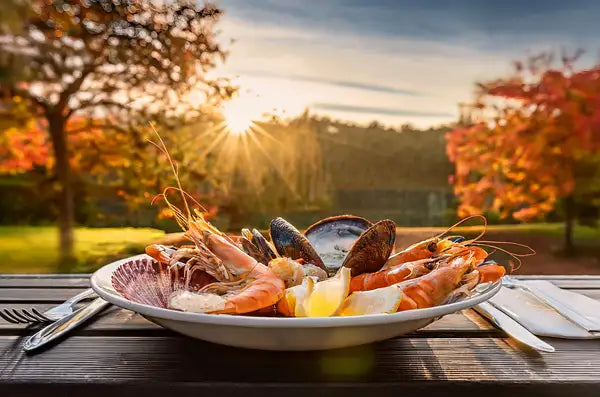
{"x": 56, "y": 313}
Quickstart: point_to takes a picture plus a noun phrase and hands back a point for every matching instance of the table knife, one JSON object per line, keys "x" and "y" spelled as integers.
{"x": 64, "y": 325}
{"x": 512, "y": 327}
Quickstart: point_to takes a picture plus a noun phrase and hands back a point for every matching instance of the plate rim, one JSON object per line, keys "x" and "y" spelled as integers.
{"x": 279, "y": 322}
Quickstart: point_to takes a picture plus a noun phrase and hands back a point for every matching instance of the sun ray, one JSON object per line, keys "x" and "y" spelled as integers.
{"x": 221, "y": 136}
{"x": 277, "y": 170}
{"x": 251, "y": 166}
{"x": 260, "y": 130}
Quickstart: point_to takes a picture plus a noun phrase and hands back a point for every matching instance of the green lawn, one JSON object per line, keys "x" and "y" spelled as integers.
{"x": 33, "y": 249}
{"x": 545, "y": 229}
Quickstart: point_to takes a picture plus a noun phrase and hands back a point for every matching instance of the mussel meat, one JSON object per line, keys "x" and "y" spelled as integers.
{"x": 333, "y": 237}
{"x": 338, "y": 241}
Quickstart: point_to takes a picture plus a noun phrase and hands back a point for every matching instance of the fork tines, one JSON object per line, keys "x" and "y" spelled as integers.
{"x": 24, "y": 316}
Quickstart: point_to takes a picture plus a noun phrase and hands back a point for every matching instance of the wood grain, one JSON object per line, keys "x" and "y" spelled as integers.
{"x": 122, "y": 354}
{"x": 37, "y": 282}
{"x": 426, "y": 365}
{"x": 172, "y": 358}
{"x": 115, "y": 319}
{"x": 57, "y": 295}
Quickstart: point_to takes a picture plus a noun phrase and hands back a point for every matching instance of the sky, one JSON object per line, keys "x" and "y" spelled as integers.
{"x": 394, "y": 62}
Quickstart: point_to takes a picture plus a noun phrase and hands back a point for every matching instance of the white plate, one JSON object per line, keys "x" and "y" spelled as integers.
{"x": 274, "y": 333}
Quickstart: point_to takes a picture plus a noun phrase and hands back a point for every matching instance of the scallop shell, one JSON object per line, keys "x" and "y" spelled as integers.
{"x": 150, "y": 283}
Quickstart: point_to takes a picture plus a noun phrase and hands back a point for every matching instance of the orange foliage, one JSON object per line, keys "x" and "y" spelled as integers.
{"x": 22, "y": 149}
{"x": 522, "y": 159}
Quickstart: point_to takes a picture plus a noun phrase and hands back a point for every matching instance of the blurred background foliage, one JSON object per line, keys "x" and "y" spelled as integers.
{"x": 81, "y": 81}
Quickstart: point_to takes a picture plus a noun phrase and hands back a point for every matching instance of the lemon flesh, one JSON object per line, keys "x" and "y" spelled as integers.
{"x": 327, "y": 296}
{"x": 294, "y": 298}
{"x": 377, "y": 301}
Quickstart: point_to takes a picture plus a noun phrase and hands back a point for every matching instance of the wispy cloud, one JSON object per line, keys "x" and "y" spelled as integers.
{"x": 338, "y": 83}
{"x": 406, "y": 61}
{"x": 377, "y": 110}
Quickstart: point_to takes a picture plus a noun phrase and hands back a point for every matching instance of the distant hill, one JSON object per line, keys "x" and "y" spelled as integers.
{"x": 371, "y": 171}
{"x": 376, "y": 158}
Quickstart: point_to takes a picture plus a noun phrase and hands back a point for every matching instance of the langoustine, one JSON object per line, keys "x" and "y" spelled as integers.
{"x": 251, "y": 285}
{"x": 242, "y": 284}
{"x": 417, "y": 268}
{"x": 442, "y": 284}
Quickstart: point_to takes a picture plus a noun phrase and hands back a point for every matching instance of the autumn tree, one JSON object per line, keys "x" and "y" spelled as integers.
{"x": 116, "y": 63}
{"x": 534, "y": 141}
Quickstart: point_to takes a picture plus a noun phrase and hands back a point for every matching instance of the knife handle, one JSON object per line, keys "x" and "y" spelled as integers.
{"x": 64, "y": 325}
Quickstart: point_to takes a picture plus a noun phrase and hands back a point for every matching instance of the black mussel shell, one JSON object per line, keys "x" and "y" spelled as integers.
{"x": 263, "y": 245}
{"x": 255, "y": 245}
{"x": 289, "y": 242}
{"x": 251, "y": 249}
{"x": 372, "y": 249}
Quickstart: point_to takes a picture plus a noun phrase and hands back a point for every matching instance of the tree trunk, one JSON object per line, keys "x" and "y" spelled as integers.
{"x": 66, "y": 208}
{"x": 569, "y": 223}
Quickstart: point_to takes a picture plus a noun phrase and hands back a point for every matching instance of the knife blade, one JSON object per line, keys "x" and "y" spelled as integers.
{"x": 64, "y": 325}
{"x": 512, "y": 327}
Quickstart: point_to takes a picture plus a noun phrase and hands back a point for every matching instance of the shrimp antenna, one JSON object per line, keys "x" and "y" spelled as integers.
{"x": 530, "y": 253}
{"x": 491, "y": 244}
{"x": 163, "y": 148}
{"x": 516, "y": 257}
{"x": 180, "y": 217}
{"x": 181, "y": 220}
{"x": 463, "y": 221}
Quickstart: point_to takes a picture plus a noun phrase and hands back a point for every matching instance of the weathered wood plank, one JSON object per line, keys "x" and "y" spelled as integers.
{"x": 569, "y": 282}
{"x": 45, "y": 275}
{"x": 329, "y": 389}
{"x": 44, "y": 282}
{"x": 460, "y": 353}
{"x": 178, "y": 359}
{"x": 37, "y": 294}
{"x": 117, "y": 320}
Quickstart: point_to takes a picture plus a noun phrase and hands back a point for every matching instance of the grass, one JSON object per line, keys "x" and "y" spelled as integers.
{"x": 34, "y": 249}
{"x": 544, "y": 229}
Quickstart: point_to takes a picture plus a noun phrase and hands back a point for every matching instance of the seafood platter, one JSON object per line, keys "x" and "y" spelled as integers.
{"x": 341, "y": 282}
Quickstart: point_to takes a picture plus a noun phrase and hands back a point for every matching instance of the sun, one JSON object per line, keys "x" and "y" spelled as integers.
{"x": 239, "y": 116}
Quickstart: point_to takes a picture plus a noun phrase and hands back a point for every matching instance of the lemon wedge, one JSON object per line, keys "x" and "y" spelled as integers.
{"x": 377, "y": 301}
{"x": 292, "y": 302}
{"x": 328, "y": 295}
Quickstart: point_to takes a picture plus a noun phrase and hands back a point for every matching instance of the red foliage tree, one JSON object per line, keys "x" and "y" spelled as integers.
{"x": 535, "y": 133}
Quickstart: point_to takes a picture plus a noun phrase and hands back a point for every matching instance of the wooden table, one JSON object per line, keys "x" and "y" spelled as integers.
{"x": 122, "y": 354}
